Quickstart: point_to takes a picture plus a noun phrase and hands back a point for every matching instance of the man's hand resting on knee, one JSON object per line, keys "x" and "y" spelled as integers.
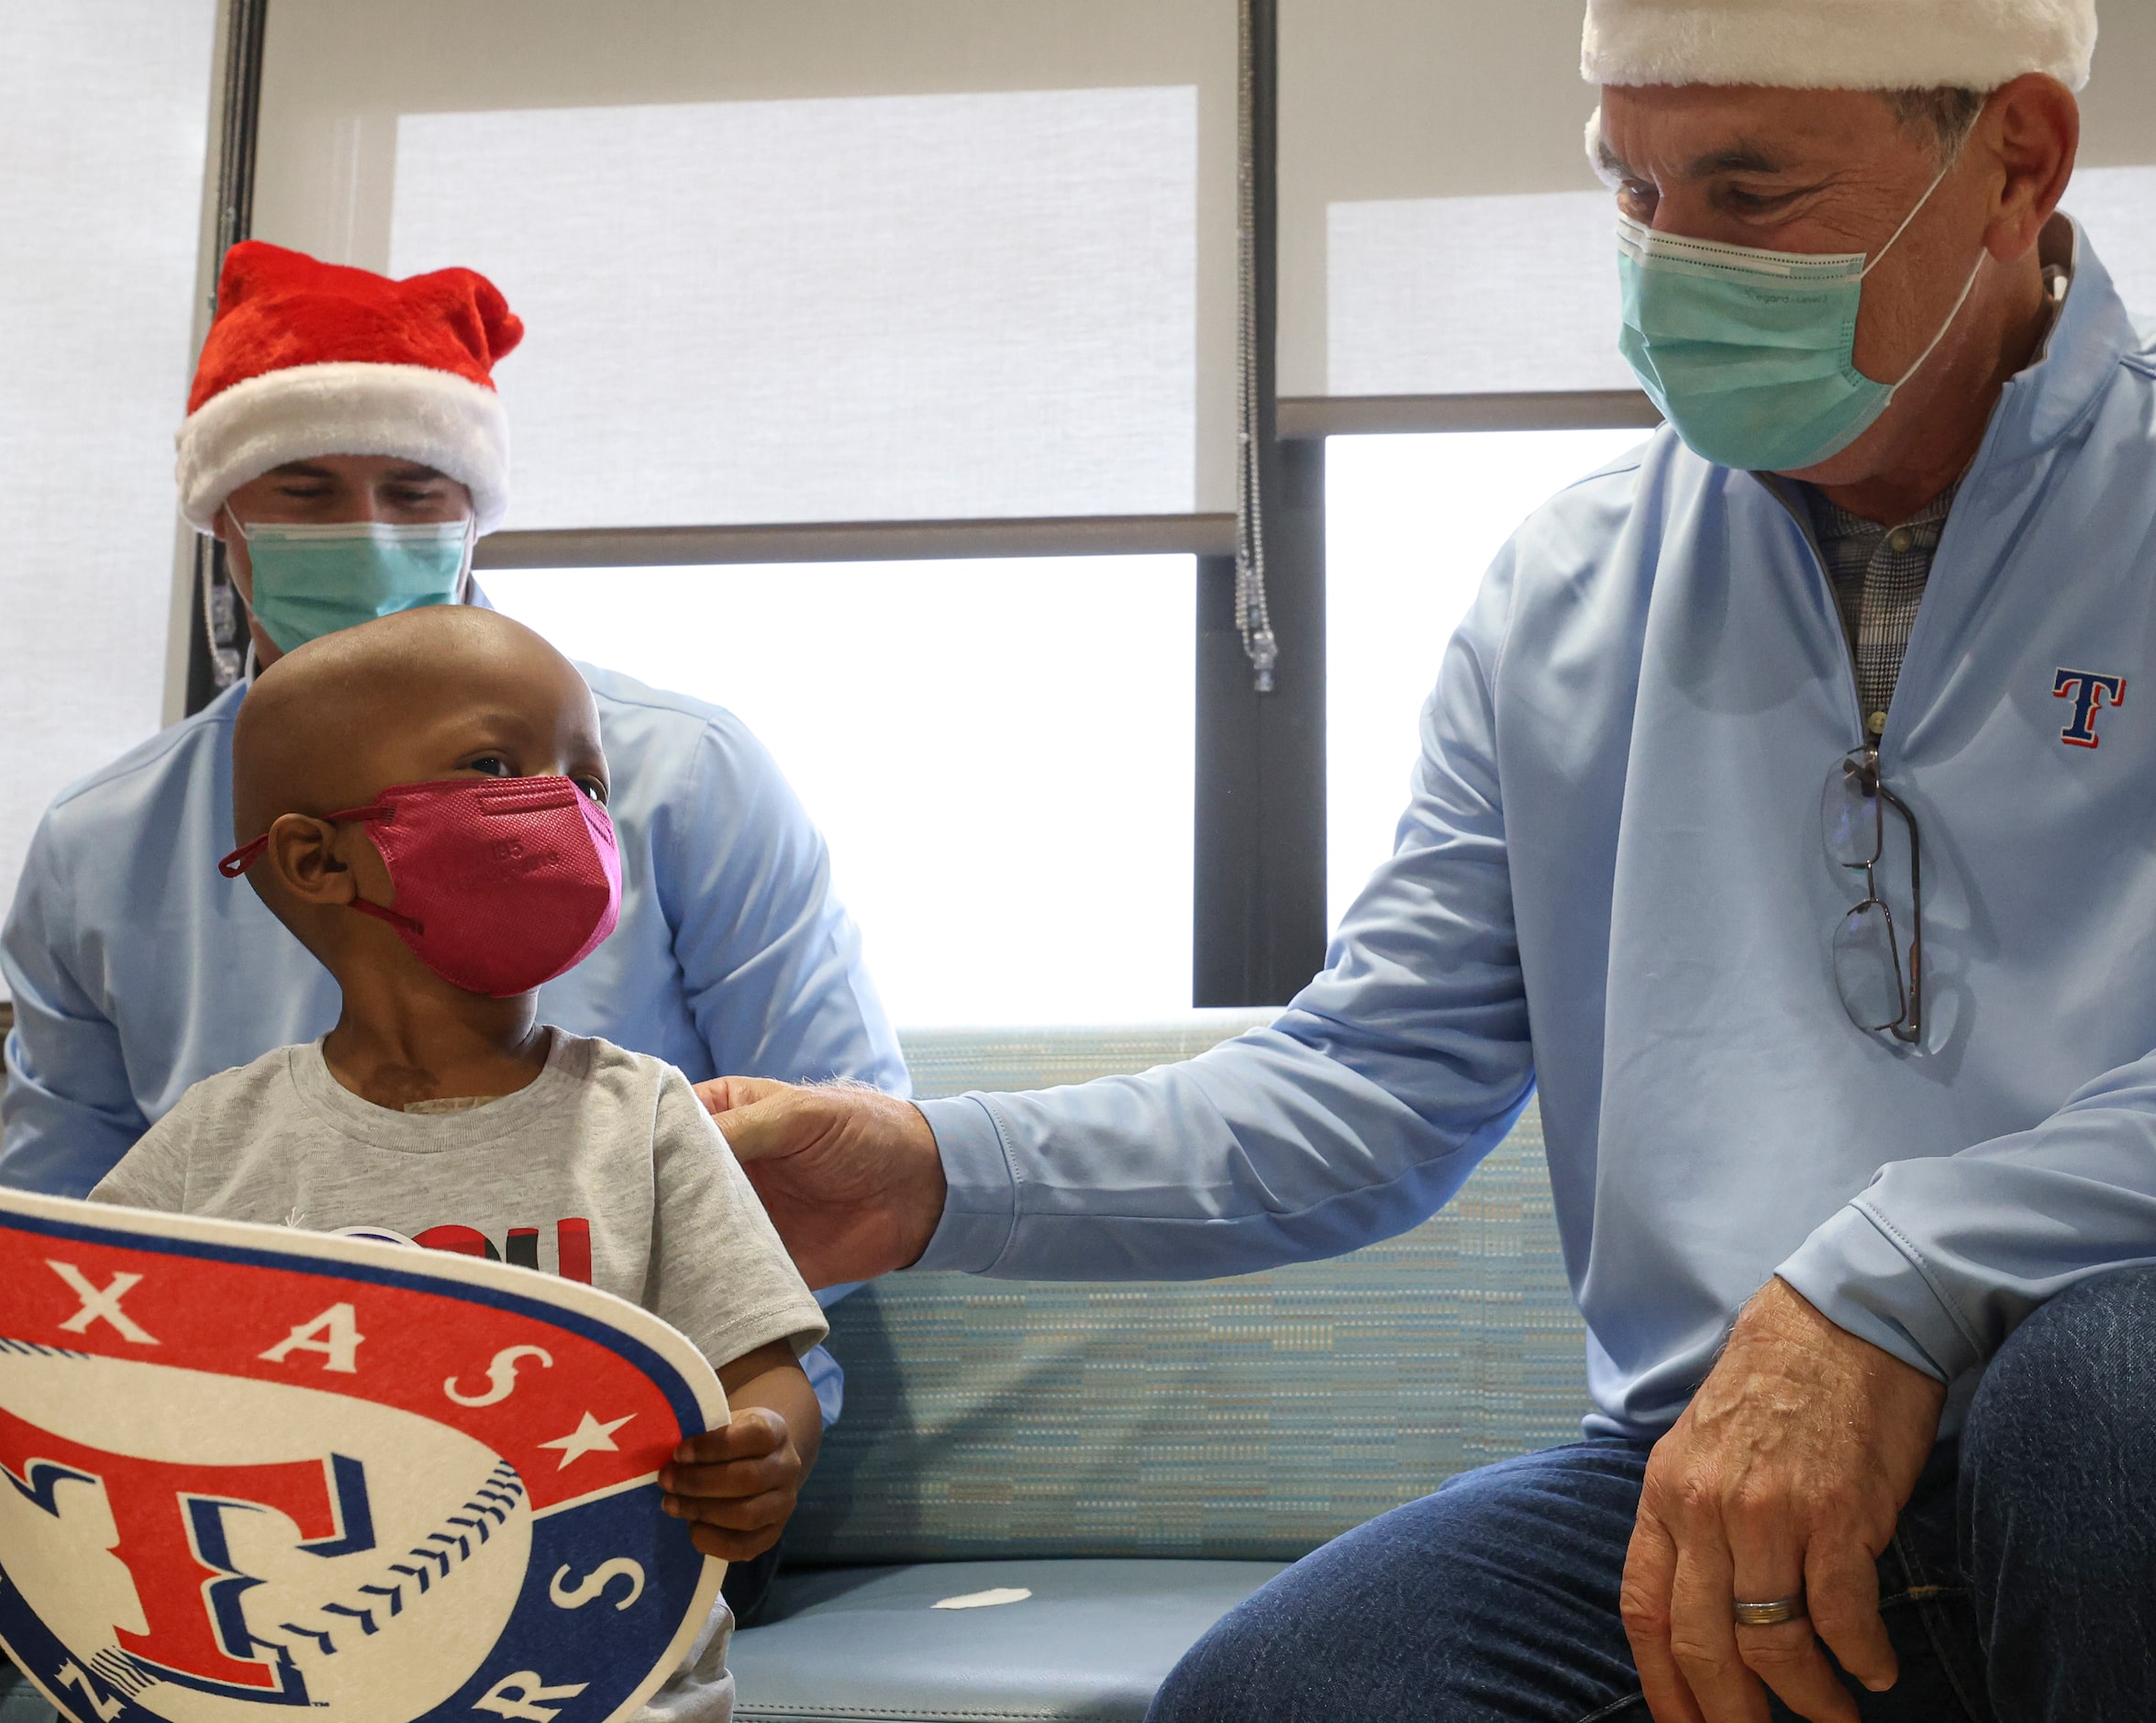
{"x": 850, "y": 1176}
{"x": 1783, "y": 1478}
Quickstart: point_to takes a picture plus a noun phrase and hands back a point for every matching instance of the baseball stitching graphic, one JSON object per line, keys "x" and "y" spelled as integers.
{"x": 242, "y": 1468}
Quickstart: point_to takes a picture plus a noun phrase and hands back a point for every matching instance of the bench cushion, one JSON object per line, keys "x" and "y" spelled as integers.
{"x": 1093, "y": 1642}
{"x": 1237, "y": 1419}
{"x": 20, "y": 1702}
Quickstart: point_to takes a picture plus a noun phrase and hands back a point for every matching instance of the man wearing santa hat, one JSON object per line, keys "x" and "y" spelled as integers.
{"x": 1787, "y": 815}
{"x": 344, "y": 440}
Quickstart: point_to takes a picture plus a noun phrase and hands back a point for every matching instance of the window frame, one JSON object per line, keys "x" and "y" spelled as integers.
{"x": 1257, "y": 882}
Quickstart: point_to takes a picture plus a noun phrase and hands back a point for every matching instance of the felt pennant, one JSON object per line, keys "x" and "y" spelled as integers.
{"x": 244, "y": 1469}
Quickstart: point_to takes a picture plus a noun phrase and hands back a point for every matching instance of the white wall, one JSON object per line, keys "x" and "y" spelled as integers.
{"x": 104, "y": 124}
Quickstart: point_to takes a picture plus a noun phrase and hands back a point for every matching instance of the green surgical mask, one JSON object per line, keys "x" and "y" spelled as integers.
{"x": 313, "y": 580}
{"x": 1751, "y": 354}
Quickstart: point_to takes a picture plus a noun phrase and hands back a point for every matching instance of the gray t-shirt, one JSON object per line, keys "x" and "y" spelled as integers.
{"x": 604, "y": 1167}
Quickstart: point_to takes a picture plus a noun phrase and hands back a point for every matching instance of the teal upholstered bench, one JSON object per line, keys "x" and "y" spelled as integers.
{"x": 1140, "y": 1457}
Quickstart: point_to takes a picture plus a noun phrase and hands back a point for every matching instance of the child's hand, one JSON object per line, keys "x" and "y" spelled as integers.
{"x": 736, "y": 1486}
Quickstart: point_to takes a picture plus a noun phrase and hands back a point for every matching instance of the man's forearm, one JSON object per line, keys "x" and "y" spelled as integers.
{"x": 1939, "y": 1260}
{"x": 1263, "y": 1151}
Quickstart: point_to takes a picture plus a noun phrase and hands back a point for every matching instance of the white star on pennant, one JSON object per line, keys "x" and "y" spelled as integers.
{"x": 589, "y": 1436}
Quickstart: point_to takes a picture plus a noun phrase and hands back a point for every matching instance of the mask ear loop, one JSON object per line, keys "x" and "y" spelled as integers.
{"x": 1880, "y": 256}
{"x": 467, "y": 577}
{"x": 209, "y": 622}
{"x": 250, "y": 852}
{"x": 243, "y": 857}
{"x": 402, "y": 923}
{"x": 1968, "y": 286}
{"x": 1924, "y": 358}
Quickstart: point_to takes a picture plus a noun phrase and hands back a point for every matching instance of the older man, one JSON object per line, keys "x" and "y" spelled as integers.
{"x": 1855, "y": 1159}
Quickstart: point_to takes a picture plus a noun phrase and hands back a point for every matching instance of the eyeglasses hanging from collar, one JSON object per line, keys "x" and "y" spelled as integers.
{"x": 1878, "y": 990}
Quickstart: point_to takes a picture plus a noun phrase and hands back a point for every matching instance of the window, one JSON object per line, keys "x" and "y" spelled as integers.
{"x": 1448, "y": 266}
{"x": 916, "y": 279}
{"x": 998, "y": 753}
{"x": 1411, "y": 525}
{"x": 960, "y": 278}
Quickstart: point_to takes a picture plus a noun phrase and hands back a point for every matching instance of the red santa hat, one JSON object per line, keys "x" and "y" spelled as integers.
{"x": 307, "y": 359}
{"x": 1838, "y": 44}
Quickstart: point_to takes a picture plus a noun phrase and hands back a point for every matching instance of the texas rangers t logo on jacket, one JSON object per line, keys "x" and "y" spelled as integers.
{"x": 246, "y": 1467}
{"x": 2090, "y": 693}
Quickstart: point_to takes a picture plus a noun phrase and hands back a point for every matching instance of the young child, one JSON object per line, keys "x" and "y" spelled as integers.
{"x": 421, "y": 801}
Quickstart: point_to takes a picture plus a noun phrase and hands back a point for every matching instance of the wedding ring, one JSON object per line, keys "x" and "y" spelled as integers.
{"x": 1771, "y": 1615}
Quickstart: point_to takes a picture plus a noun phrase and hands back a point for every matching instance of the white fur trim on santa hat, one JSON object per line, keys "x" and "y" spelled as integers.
{"x": 302, "y": 412}
{"x": 1838, "y": 44}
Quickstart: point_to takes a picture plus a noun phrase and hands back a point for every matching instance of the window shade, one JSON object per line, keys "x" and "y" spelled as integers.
{"x": 1428, "y": 242}
{"x": 1441, "y": 232}
{"x": 104, "y": 120}
{"x": 834, "y": 260}
{"x": 1473, "y": 295}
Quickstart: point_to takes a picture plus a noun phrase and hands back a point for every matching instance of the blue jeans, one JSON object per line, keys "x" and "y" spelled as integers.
{"x": 2020, "y": 1586}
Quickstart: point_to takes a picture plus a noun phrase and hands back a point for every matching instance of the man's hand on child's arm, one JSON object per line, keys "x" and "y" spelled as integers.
{"x": 736, "y": 1487}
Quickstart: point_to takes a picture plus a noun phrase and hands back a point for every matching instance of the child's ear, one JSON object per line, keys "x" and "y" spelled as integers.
{"x": 302, "y": 854}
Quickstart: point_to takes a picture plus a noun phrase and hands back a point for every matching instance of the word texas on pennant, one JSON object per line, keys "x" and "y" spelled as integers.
{"x": 249, "y": 1473}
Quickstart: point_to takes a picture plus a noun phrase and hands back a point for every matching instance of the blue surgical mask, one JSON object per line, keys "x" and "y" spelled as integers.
{"x": 1751, "y": 354}
{"x": 313, "y": 580}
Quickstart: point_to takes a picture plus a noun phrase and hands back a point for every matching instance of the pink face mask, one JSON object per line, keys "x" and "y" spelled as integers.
{"x": 502, "y": 884}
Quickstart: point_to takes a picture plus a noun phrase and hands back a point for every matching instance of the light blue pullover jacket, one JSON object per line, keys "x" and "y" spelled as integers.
{"x": 1611, "y": 883}
{"x": 137, "y": 969}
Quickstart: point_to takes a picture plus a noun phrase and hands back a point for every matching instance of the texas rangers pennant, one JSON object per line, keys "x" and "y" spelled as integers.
{"x": 244, "y": 1469}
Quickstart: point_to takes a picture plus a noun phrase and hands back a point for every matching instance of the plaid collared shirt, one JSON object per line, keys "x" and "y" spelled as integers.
{"x": 1879, "y": 574}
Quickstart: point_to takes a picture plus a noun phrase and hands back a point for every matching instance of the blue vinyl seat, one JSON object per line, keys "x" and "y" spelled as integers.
{"x": 1138, "y": 1457}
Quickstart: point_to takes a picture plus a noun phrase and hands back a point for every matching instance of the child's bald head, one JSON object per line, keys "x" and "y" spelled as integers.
{"x": 420, "y": 695}
{"x": 446, "y": 691}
